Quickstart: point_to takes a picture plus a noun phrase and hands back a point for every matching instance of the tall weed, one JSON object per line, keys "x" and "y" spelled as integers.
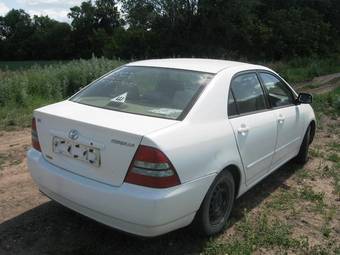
{"x": 52, "y": 82}
{"x": 24, "y": 90}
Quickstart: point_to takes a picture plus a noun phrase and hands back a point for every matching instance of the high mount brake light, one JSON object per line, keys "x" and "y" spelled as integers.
{"x": 151, "y": 168}
{"x": 35, "y": 139}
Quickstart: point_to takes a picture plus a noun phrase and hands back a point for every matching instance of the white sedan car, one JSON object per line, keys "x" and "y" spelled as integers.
{"x": 155, "y": 145}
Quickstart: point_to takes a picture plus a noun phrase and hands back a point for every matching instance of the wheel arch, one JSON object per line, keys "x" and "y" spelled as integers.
{"x": 237, "y": 176}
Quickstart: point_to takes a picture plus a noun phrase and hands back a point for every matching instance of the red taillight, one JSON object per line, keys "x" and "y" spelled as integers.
{"x": 35, "y": 139}
{"x": 151, "y": 168}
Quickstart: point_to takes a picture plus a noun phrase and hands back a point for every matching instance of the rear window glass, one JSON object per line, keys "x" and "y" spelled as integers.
{"x": 151, "y": 91}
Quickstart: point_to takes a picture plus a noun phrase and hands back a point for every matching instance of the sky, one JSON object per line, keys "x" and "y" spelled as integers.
{"x": 56, "y": 9}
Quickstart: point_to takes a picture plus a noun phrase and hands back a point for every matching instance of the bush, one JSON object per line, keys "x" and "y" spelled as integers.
{"x": 23, "y": 91}
{"x": 328, "y": 103}
{"x": 52, "y": 82}
{"x": 305, "y": 69}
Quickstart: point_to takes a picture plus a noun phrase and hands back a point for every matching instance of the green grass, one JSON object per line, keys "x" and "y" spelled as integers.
{"x": 336, "y": 178}
{"x": 315, "y": 152}
{"x": 255, "y": 233}
{"x": 334, "y": 157}
{"x": 295, "y": 70}
{"x": 316, "y": 198}
{"x": 308, "y": 194}
{"x": 328, "y": 103}
{"x": 287, "y": 199}
{"x": 305, "y": 69}
{"x": 13, "y": 117}
{"x": 283, "y": 200}
{"x": 328, "y": 217}
{"x": 334, "y": 146}
{"x": 35, "y": 84}
{"x": 22, "y": 65}
{"x": 335, "y": 173}
{"x": 24, "y": 90}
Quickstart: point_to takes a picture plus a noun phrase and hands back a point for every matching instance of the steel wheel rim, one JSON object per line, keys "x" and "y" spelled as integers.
{"x": 218, "y": 204}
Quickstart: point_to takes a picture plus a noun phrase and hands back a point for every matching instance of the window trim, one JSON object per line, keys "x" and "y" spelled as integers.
{"x": 269, "y": 107}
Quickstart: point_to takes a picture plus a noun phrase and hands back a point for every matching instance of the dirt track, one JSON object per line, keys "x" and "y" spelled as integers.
{"x": 32, "y": 224}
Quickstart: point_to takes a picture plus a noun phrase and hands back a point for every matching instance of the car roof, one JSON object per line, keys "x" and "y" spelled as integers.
{"x": 194, "y": 64}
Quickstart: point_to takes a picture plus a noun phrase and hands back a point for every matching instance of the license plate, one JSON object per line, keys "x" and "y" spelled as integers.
{"x": 77, "y": 151}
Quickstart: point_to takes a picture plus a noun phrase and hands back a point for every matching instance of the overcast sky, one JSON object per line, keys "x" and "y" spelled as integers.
{"x": 56, "y": 9}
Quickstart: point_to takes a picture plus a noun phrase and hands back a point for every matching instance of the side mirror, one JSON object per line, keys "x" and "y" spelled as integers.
{"x": 304, "y": 98}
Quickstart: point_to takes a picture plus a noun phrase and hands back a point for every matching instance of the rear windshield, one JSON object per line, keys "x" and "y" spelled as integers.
{"x": 151, "y": 91}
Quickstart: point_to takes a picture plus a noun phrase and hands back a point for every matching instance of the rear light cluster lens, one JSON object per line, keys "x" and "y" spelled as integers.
{"x": 35, "y": 139}
{"x": 151, "y": 168}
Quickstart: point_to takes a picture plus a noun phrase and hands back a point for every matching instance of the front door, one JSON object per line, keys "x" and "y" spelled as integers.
{"x": 287, "y": 115}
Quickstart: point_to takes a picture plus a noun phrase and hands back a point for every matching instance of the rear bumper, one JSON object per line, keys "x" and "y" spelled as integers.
{"x": 131, "y": 208}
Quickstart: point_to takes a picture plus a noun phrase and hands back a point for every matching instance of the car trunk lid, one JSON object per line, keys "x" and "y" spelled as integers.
{"x": 93, "y": 142}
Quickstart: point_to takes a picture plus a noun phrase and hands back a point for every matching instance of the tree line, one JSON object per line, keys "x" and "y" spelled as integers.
{"x": 134, "y": 29}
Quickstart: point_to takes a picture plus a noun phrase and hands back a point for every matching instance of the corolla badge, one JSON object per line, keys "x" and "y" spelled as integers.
{"x": 73, "y": 134}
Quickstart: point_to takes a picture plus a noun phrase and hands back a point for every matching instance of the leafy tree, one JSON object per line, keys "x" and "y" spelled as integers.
{"x": 139, "y": 14}
{"x": 233, "y": 29}
{"x": 107, "y": 15}
{"x": 15, "y": 29}
{"x": 303, "y": 33}
{"x": 93, "y": 24}
{"x": 84, "y": 24}
{"x": 50, "y": 39}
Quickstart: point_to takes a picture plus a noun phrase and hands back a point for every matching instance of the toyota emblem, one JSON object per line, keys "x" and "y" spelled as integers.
{"x": 73, "y": 134}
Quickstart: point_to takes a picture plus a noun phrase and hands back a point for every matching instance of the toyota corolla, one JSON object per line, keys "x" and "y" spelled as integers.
{"x": 156, "y": 145}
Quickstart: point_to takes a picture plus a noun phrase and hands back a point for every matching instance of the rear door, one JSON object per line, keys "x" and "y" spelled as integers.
{"x": 254, "y": 125}
{"x": 287, "y": 115}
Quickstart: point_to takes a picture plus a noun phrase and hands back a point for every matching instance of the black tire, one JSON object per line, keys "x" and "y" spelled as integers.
{"x": 216, "y": 206}
{"x": 302, "y": 157}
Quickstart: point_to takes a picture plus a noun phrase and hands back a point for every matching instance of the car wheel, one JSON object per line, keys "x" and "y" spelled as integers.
{"x": 302, "y": 157}
{"x": 216, "y": 206}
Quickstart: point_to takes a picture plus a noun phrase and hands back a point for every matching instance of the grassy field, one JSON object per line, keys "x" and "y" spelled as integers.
{"x": 295, "y": 210}
{"x": 22, "y": 65}
{"x": 305, "y": 69}
{"x": 23, "y": 90}
{"x": 301, "y": 214}
{"x": 35, "y": 84}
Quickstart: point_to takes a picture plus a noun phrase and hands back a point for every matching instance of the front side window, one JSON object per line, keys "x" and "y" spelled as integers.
{"x": 248, "y": 93}
{"x": 151, "y": 91}
{"x": 279, "y": 93}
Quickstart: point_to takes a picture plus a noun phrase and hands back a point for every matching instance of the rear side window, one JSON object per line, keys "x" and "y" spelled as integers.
{"x": 232, "y": 110}
{"x": 279, "y": 93}
{"x": 248, "y": 93}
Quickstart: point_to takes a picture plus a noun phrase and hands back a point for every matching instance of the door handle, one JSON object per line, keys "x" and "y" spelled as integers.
{"x": 280, "y": 119}
{"x": 243, "y": 130}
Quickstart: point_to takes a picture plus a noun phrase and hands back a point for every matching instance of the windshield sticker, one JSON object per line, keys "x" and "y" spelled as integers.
{"x": 119, "y": 99}
{"x": 166, "y": 111}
